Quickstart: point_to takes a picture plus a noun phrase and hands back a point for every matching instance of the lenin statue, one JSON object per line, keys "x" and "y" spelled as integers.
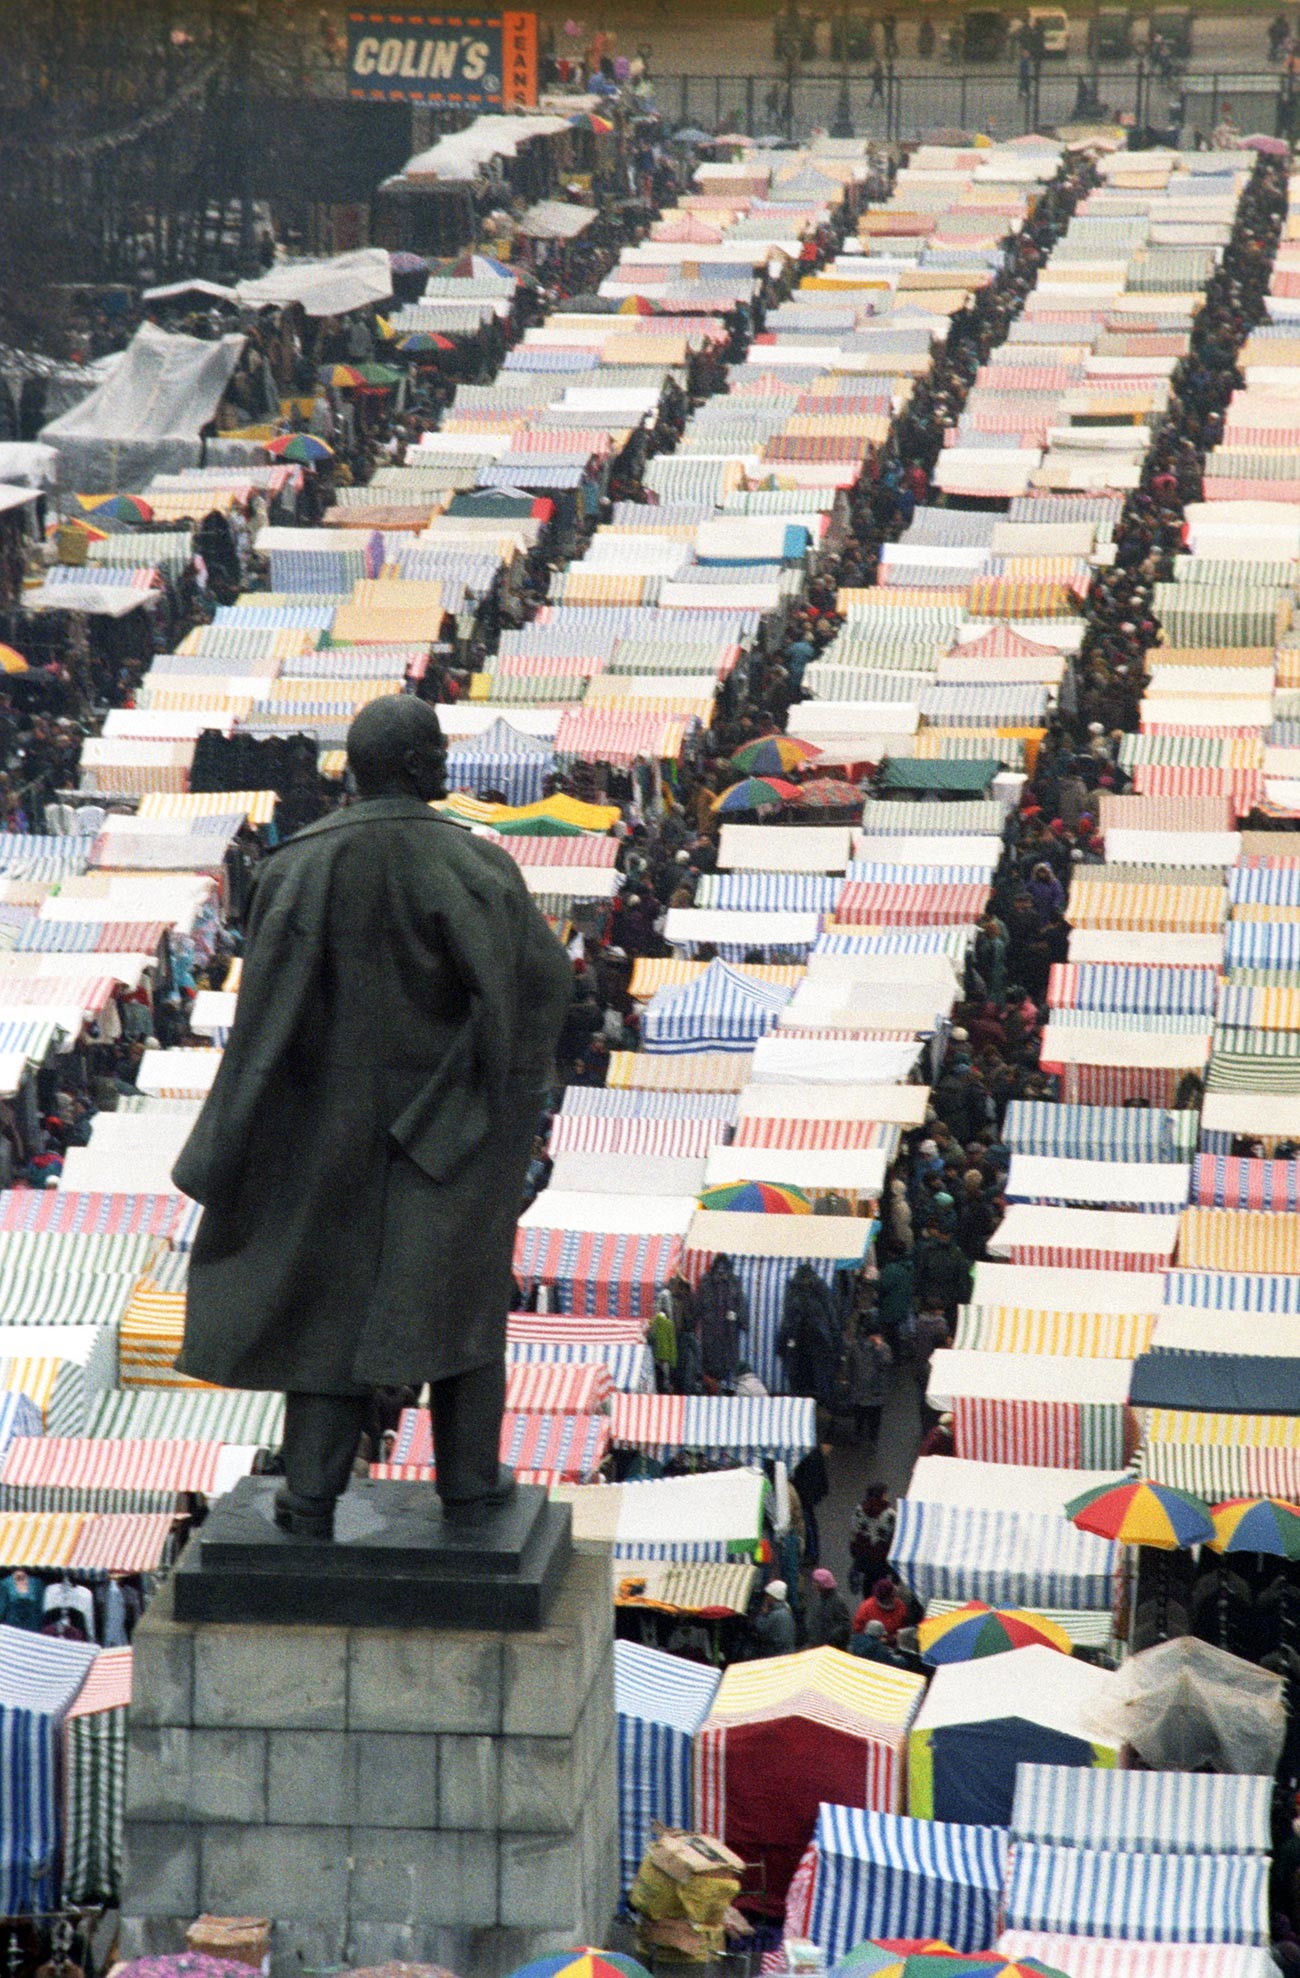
{"x": 361, "y": 1157}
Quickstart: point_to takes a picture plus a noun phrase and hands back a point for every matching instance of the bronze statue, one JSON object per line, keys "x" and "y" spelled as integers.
{"x": 360, "y": 1159}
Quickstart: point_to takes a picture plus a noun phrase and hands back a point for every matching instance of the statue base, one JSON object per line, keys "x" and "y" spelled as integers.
{"x": 394, "y": 1561}
{"x": 438, "y": 1796}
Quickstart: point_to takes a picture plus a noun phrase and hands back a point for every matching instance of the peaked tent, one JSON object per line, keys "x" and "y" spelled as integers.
{"x": 722, "y": 1010}
{"x": 982, "y": 1719}
{"x": 873, "y": 1875}
{"x": 783, "y": 1734}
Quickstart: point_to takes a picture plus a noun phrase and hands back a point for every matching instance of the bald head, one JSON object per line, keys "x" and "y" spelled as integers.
{"x": 396, "y": 749}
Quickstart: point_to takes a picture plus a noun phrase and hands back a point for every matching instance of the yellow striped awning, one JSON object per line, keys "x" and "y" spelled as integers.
{"x": 258, "y": 806}
{"x": 863, "y": 1689}
{"x": 1132, "y": 906}
{"x": 1238, "y": 1240}
{"x": 39, "y": 1538}
{"x": 1070, "y": 1335}
{"x": 651, "y": 973}
{"x": 1223, "y": 1431}
{"x": 678, "y": 1071}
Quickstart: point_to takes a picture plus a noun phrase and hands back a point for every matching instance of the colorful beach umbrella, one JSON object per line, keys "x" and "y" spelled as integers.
{"x": 1256, "y": 1524}
{"x": 773, "y": 755}
{"x": 1134, "y": 1512}
{"x": 976, "y": 1630}
{"x": 304, "y": 448}
{"x": 755, "y": 793}
{"x": 117, "y": 507}
{"x": 764, "y": 1198}
{"x": 423, "y": 343}
{"x": 583, "y": 1963}
{"x": 978, "y": 1964}
{"x": 886, "y": 1957}
{"x": 827, "y": 793}
{"x": 341, "y": 377}
{"x": 11, "y": 661}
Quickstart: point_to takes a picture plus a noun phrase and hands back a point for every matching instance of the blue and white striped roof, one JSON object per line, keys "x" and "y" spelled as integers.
{"x": 1120, "y": 986}
{"x": 1007, "y": 1558}
{"x": 1098, "y": 1133}
{"x": 721, "y": 1010}
{"x": 1142, "y": 1898}
{"x": 660, "y": 1703}
{"x": 880, "y": 1875}
{"x": 1232, "y": 1291}
{"x": 769, "y": 892}
{"x": 1151, "y": 1812}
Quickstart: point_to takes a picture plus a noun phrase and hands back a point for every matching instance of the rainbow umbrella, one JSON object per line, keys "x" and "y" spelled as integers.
{"x": 117, "y": 507}
{"x": 1256, "y": 1524}
{"x": 765, "y": 1198}
{"x": 342, "y": 377}
{"x": 11, "y": 661}
{"x": 1133, "y": 1512}
{"x": 422, "y": 343}
{"x": 976, "y": 1630}
{"x": 978, "y": 1964}
{"x": 380, "y": 374}
{"x": 772, "y": 755}
{"x": 303, "y": 448}
{"x": 885, "y": 1957}
{"x": 583, "y": 1963}
{"x": 755, "y": 793}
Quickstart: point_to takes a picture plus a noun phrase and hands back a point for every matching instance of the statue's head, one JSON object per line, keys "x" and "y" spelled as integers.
{"x": 396, "y": 749}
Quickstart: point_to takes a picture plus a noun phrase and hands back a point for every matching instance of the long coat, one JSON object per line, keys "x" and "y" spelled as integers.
{"x": 361, "y": 1156}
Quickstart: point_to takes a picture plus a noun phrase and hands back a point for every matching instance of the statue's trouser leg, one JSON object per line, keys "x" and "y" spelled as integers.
{"x": 321, "y": 1434}
{"x": 467, "y": 1414}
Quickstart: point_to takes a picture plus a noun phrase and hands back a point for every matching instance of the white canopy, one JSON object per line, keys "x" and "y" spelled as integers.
{"x": 1145, "y": 1049}
{"x": 1058, "y": 1288}
{"x": 1041, "y": 1177}
{"x": 1106, "y": 944}
{"x": 609, "y": 1214}
{"x": 1029, "y": 1226}
{"x": 736, "y": 1233}
{"x": 999, "y": 1486}
{"x": 324, "y": 288}
{"x": 785, "y": 1060}
{"x": 791, "y": 848}
{"x": 884, "y": 1105}
{"x": 1025, "y": 1377}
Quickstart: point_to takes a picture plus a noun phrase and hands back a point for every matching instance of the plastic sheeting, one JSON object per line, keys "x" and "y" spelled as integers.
{"x": 1188, "y": 1706}
{"x": 146, "y": 416}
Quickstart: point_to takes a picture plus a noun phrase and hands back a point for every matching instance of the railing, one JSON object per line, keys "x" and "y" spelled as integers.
{"x": 896, "y": 107}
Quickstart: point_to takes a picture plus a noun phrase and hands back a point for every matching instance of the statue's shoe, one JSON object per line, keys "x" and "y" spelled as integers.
{"x": 304, "y": 1517}
{"x": 474, "y": 1510}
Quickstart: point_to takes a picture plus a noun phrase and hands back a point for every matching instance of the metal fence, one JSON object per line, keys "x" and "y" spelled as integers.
{"x": 906, "y": 107}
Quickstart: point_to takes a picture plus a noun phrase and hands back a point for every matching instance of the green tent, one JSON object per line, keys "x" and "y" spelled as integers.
{"x": 919, "y": 773}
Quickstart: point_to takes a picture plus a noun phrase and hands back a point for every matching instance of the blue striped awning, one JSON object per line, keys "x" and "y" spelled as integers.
{"x": 1232, "y": 1291}
{"x": 630, "y": 1366}
{"x": 770, "y": 892}
{"x": 660, "y": 1703}
{"x": 952, "y": 941}
{"x": 1098, "y": 1133}
{"x": 39, "y": 1681}
{"x": 1151, "y": 1812}
{"x": 1149, "y": 991}
{"x": 880, "y": 1875}
{"x": 1274, "y": 886}
{"x": 1007, "y": 1558}
{"x": 1139, "y": 1898}
{"x": 720, "y": 1011}
{"x": 1261, "y": 944}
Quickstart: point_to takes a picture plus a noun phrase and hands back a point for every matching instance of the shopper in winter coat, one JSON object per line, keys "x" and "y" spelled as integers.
{"x": 869, "y": 1364}
{"x": 721, "y": 1318}
{"x": 810, "y": 1337}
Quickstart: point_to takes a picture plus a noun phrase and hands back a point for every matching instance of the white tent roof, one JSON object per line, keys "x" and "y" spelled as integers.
{"x": 781, "y": 1060}
{"x": 999, "y": 1486}
{"x": 601, "y": 1214}
{"x": 1105, "y": 944}
{"x": 1145, "y": 1049}
{"x": 324, "y": 288}
{"x": 899, "y": 1105}
{"x": 1062, "y": 1289}
{"x": 1040, "y": 1177}
{"x": 1025, "y": 1377}
{"x": 1026, "y": 1225}
{"x": 791, "y": 848}
{"x": 737, "y": 1233}
{"x": 1038, "y": 1684}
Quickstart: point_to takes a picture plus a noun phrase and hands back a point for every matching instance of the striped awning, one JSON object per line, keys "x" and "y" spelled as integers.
{"x": 879, "y": 1875}
{"x": 746, "y": 1428}
{"x": 1107, "y": 904}
{"x": 95, "y": 1781}
{"x": 1099, "y": 1133}
{"x": 1007, "y": 1558}
{"x": 660, "y": 1701}
{"x": 1150, "y": 1812}
{"x": 1238, "y": 1240}
{"x": 1103, "y": 1957}
{"x": 536, "y": 1446}
{"x": 114, "y": 1464}
{"x": 1226, "y": 1181}
{"x": 1143, "y": 1898}
{"x": 596, "y": 1273}
{"x": 1082, "y": 1335}
{"x": 1143, "y": 990}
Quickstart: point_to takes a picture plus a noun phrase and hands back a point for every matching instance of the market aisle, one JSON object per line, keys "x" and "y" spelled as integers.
{"x": 852, "y": 1469}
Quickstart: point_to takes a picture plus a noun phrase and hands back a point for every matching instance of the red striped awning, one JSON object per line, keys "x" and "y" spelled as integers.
{"x": 94, "y": 1464}
{"x": 555, "y": 1446}
{"x": 558, "y": 1389}
{"x": 809, "y": 1133}
{"x": 526, "y": 1328}
{"x": 122, "y": 1542}
{"x": 597, "y": 1273}
{"x": 866, "y": 903}
{"x": 1230, "y": 1181}
{"x": 75, "y": 1211}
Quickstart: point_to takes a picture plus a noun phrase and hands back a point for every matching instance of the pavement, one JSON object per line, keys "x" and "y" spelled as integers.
{"x": 854, "y": 1465}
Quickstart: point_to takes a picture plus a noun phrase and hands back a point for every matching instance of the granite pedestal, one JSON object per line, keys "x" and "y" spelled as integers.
{"x": 431, "y": 1793}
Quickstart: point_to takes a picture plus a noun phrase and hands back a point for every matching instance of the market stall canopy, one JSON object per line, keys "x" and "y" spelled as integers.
{"x": 556, "y": 219}
{"x": 323, "y": 288}
{"x": 146, "y": 417}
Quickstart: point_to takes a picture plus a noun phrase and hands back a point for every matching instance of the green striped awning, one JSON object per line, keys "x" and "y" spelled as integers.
{"x": 238, "y": 1415}
{"x": 1254, "y": 1061}
{"x": 76, "y": 1251}
{"x": 978, "y": 818}
{"x": 95, "y": 1781}
{"x": 63, "y": 1298}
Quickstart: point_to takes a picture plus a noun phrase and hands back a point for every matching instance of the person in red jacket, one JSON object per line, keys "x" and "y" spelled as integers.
{"x": 884, "y": 1604}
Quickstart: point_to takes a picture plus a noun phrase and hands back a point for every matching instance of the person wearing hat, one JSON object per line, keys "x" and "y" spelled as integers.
{"x": 774, "y": 1623}
{"x": 884, "y": 1604}
{"x": 829, "y": 1624}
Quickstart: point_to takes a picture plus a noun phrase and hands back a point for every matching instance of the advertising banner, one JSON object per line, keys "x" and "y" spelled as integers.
{"x": 464, "y": 61}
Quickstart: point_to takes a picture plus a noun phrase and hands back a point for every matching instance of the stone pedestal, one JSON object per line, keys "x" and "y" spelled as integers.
{"x": 435, "y": 1795}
